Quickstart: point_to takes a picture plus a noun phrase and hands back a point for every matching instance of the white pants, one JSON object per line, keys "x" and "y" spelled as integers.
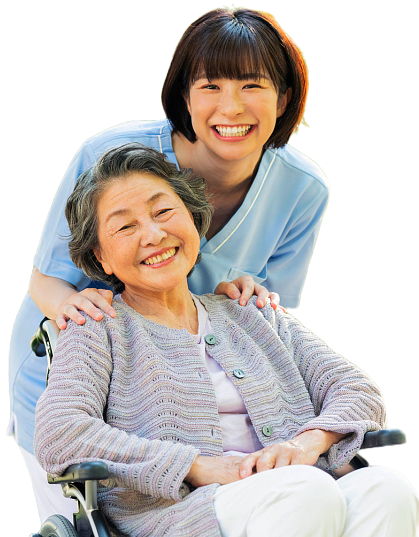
{"x": 291, "y": 501}
{"x": 49, "y": 498}
{"x": 300, "y": 501}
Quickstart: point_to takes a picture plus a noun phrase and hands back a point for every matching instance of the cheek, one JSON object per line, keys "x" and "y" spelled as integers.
{"x": 191, "y": 239}
{"x": 118, "y": 252}
{"x": 199, "y": 108}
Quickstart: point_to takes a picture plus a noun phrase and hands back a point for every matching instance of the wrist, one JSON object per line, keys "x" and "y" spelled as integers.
{"x": 323, "y": 439}
{"x": 194, "y": 471}
{"x": 328, "y": 439}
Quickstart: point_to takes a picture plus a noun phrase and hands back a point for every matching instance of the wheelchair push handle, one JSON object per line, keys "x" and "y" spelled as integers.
{"x": 38, "y": 340}
{"x": 45, "y": 339}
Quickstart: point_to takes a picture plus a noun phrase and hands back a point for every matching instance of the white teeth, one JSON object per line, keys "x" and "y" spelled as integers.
{"x": 159, "y": 258}
{"x": 241, "y": 130}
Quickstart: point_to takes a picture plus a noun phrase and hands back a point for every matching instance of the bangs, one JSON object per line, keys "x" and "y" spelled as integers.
{"x": 235, "y": 52}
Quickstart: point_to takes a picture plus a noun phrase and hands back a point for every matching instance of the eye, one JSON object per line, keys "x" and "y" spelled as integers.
{"x": 162, "y": 212}
{"x": 127, "y": 226}
{"x": 210, "y": 86}
{"x": 252, "y": 86}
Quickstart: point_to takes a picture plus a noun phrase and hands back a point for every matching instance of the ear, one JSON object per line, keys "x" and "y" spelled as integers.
{"x": 283, "y": 102}
{"x": 98, "y": 254}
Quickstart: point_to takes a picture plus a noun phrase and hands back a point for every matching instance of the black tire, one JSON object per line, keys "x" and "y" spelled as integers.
{"x": 57, "y": 526}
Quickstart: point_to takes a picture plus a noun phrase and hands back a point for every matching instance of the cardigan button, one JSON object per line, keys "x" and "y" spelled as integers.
{"x": 239, "y": 373}
{"x": 267, "y": 430}
{"x": 211, "y": 339}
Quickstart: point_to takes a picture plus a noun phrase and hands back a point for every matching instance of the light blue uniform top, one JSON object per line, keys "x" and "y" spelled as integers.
{"x": 271, "y": 237}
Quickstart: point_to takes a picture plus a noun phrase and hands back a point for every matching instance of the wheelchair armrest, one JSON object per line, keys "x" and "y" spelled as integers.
{"x": 86, "y": 471}
{"x": 385, "y": 437}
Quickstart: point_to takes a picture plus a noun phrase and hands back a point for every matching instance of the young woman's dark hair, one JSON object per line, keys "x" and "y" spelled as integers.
{"x": 231, "y": 44}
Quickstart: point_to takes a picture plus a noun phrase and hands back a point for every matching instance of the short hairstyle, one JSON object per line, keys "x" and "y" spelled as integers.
{"x": 81, "y": 208}
{"x": 230, "y": 44}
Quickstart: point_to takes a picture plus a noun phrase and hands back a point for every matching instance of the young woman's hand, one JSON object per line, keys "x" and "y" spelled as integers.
{"x": 208, "y": 470}
{"x": 92, "y": 301}
{"x": 60, "y": 301}
{"x": 243, "y": 288}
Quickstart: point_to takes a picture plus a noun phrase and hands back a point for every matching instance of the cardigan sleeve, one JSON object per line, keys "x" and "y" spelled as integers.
{"x": 70, "y": 427}
{"x": 344, "y": 397}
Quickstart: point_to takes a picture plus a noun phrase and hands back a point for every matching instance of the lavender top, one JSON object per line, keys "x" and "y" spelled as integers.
{"x": 138, "y": 396}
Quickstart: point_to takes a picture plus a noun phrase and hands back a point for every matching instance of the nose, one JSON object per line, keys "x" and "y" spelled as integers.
{"x": 152, "y": 234}
{"x": 230, "y": 103}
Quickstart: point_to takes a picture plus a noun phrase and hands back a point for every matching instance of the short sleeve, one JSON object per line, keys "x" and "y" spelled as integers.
{"x": 52, "y": 257}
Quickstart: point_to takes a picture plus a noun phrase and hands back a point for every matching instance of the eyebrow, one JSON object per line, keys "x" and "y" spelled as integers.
{"x": 120, "y": 212}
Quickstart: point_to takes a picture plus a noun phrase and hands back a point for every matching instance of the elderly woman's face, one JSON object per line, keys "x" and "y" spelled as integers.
{"x": 146, "y": 234}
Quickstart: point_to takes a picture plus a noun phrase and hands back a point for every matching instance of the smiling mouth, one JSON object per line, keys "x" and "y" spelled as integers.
{"x": 159, "y": 258}
{"x": 238, "y": 131}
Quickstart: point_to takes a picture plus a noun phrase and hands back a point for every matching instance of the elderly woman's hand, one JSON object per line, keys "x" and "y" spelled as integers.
{"x": 208, "y": 470}
{"x": 92, "y": 301}
{"x": 303, "y": 449}
{"x": 243, "y": 288}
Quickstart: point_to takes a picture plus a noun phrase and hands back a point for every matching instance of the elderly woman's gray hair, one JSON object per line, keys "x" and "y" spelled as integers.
{"x": 81, "y": 208}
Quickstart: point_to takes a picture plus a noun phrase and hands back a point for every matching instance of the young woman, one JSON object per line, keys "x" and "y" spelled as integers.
{"x": 233, "y": 95}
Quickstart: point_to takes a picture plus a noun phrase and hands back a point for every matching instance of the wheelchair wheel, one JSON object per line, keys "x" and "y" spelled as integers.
{"x": 57, "y": 526}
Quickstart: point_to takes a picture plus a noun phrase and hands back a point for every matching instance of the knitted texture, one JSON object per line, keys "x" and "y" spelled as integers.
{"x": 138, "y": 396}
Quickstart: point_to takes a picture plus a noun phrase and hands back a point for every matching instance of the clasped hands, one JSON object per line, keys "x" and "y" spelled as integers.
{"x": 303, "y": 449}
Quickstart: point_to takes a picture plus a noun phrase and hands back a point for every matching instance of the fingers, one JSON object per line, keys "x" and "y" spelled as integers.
{"x": 248, "y": 463}
{"x": 61, "y": 321}
{"x": 276, "y": 456}
{"x": 108, "y": 296}
{"x": 102, "y": 299}
{"x": 262, "y": 294}
{"x": 262, "y": 460}
{"x": 285, "y": 457}
{"x": 243, "y": 288}
{"x": 229, "y": 289}
{"x": 91, "y": 302}
{"x": 274, "y": 298}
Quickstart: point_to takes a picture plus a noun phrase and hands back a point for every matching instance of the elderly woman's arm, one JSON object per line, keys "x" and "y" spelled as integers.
{"x": 70, "y": 427}
{"x": 346, "y": 402}
{"x": 345, "y": 399}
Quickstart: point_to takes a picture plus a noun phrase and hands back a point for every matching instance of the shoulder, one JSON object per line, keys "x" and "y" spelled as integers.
{"x": 222, "y": 307}
{"x": 296, "y": 166}
{"x": 107, "y": 327}
{"x": 154, "y": 134}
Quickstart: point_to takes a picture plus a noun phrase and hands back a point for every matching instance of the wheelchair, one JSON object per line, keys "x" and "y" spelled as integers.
{"x": 80, "y": 480}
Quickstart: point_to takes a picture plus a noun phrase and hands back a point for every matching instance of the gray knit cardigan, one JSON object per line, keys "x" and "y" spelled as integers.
{"x": 138, "y": 395}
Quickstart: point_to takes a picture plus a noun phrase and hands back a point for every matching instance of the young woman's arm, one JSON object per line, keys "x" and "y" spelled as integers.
{"x": 59, "y": 300}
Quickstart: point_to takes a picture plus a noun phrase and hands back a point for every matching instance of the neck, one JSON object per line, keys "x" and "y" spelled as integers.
{"x": 228, "y": 181}
{"x": 174, "y": 308}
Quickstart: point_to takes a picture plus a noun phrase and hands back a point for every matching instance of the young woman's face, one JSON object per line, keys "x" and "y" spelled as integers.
{"x": 233, "y": 119}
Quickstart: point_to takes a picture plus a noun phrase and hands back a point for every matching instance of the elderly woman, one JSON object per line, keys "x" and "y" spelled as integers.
{"x": 214, "y": 418}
